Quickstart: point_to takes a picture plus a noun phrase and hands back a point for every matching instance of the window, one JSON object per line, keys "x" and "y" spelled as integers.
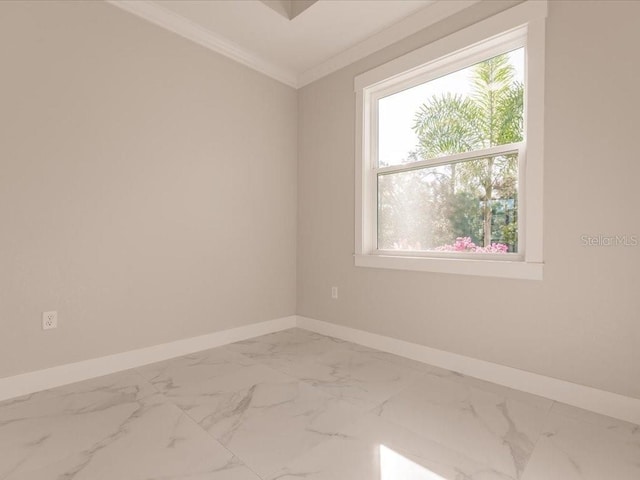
{"x": 449, "y": 152}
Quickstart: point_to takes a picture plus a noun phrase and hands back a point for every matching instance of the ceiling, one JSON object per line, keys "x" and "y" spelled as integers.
{"x": 294, "y": 41}
{"x": 289, "y": 8}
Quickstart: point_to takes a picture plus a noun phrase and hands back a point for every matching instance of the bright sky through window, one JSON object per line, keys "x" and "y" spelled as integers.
{"x": 396, "y": 112}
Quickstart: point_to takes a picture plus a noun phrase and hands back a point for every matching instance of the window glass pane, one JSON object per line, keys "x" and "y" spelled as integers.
{"x": 465, "y": 207}
{"x": 474, "y": 108}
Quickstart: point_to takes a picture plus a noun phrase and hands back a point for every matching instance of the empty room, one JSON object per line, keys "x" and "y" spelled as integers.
{"x": 319, "y": 240}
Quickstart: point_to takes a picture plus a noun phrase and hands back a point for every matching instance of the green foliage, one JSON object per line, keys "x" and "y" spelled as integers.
{"x": 492, "y": 83}
{"x": 448, "y": 124}
{"x": 465, "y": 217}
{"x": 492, "y": 115}
{"x": 510, "y": 233}
{"x": 510, "y": 113}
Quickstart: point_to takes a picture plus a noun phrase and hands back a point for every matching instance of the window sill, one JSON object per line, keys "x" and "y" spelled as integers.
{"x": 461, "y": 266}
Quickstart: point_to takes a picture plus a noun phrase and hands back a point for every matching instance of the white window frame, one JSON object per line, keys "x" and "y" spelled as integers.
{"x": 519, "y": 26}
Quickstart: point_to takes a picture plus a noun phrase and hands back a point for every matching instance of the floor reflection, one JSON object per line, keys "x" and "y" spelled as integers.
{"x": 394, "y": 466}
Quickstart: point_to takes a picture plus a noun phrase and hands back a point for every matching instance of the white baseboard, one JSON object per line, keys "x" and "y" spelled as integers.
{"x": 588, "y": 398}
{"x": 26, "y": 383}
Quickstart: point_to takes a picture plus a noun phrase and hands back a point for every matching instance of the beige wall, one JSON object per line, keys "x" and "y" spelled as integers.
{"x": 147, "y": 186}
{"x": 148, "y": 193}
{"x": 582, "y": 323}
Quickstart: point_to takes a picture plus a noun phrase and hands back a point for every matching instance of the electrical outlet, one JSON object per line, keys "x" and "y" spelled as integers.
{"x": 49, "y": 320}
{"x": 334, "y": 292}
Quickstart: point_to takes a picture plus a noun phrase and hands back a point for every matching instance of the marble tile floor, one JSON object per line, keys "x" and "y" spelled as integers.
{"x": 299, "y": 405}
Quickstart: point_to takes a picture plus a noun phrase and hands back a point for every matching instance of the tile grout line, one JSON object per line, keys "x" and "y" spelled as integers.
{"x": 427, "y": 374}
{"x": 315, "y": 389}
{"x": 306, "y": 358}
{"x": 422, "y": 375}
{"x": 310, "y": 385}
{"x": 209, "y": 434}
{"x": 535, "y": 444}
{"x": 235, "y": 455}
{"x": 193, "y": 420}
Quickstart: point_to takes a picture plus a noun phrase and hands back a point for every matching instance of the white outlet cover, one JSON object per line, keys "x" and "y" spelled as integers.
{"x": 334, "y": 292}
{"x": 49, "y": 320}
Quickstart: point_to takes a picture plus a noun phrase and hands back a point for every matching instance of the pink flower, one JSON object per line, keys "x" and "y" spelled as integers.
{"x": 465, "y": 244}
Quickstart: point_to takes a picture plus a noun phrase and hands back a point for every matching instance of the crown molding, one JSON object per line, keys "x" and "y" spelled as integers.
{"x": 165, "y": 18}
{"x": 157, "y": 14}
{"x": 415, "y": 22}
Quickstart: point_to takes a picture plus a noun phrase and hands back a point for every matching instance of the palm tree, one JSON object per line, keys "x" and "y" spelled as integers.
{"x": 492, "y": 115}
